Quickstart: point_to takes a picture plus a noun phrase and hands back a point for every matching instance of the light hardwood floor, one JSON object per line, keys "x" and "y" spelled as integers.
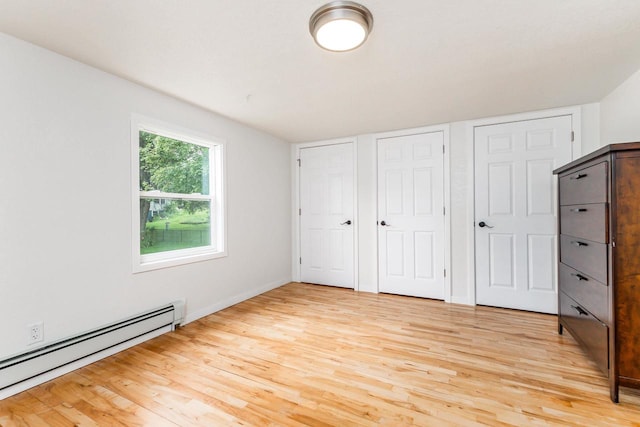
{"x": 315, "y": 355}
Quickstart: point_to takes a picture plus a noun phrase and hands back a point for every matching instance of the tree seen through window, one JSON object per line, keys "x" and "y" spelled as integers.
{"x": 175, "y": 200}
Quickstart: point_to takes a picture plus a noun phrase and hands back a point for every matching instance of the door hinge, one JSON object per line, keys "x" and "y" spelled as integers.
{"x": 300, "y": 211}
{"x": 573, "y": 136}
{"x": 443, "y": 149}
{"x": 299, "y": 162}
{"x": 444, "y": 210}
{"x": 445, "y": 272}
{"x": 300, "y": 260}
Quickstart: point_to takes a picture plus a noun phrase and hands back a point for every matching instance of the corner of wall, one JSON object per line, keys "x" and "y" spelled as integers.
{"x": 620, "y": 113}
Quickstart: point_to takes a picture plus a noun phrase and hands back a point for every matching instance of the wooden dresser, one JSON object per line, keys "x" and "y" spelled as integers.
{"x": 599, "y": 268}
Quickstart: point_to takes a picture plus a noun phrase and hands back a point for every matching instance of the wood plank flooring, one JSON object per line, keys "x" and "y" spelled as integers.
{"x": 321, "y": 356}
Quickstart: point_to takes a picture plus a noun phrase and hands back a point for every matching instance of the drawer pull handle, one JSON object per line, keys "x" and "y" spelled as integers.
{"x": 578, "y": 244}
{"x": 578, "y": 210}
{"x": 579, "y": 176}
{"x": 580, "y": 310}
{"x": 579, "y": 277}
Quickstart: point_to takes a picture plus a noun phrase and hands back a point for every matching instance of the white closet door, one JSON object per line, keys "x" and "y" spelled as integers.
{"x": 411, "y": 215}
{"x": 326, "y": 215}
{"x": 516, "y": 208}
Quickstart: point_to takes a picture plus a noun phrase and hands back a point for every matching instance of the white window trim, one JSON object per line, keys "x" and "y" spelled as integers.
{"x": 217, "y": 164}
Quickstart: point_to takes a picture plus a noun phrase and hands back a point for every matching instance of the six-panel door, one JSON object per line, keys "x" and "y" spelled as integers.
{"x": 516, "y": 200}
{"x": 411, "y": 215}
{"x": 326, "y": 215}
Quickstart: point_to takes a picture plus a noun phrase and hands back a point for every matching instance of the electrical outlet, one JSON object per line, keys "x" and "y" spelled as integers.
{"x": 35, "y": 333}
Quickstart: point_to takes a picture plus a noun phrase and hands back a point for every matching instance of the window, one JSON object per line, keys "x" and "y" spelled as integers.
{"x": 178, "y": 195}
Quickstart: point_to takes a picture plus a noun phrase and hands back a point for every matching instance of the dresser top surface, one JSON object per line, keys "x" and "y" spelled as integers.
{"x": 611, "y": 148}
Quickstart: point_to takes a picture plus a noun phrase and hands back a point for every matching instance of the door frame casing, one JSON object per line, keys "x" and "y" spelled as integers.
{"x": 296, "y": 203}
{"x": 445, "y": 129}
{"x": 576, "y": 151}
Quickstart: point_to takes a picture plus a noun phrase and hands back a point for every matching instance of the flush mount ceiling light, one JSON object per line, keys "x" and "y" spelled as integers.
{"x": 341, "y": 25}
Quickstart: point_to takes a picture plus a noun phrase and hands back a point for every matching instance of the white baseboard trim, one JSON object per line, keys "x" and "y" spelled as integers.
{"x": 461, "y": 300}
{"x": 368, "y": 290}
{"x": 191, "y": 316}
{"x": 47, "y": 376}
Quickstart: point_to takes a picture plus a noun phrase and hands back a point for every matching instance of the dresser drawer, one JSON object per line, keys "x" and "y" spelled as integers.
{"x": 587, "y": 330}
{"x": 585, "y": 290}
{"x": 584, "y": 255}
{"x": 585, "y": 221}
{"x": 584, "y": 186}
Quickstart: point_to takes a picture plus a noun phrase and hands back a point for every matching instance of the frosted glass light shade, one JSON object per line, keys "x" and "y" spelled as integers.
{"x": 341, "y": 25}
{"x": 341, "y": 35}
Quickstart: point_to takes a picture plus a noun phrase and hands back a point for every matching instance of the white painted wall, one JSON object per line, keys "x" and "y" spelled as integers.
{"x": 620, "y": 113}
{"x": 590, "y": 128}
{"x": 461, "y": 212}
{"x": 367, "y": 214}
{"x": 65, "y": 221}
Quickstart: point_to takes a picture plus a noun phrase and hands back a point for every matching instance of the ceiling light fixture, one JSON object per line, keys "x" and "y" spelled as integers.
{"x": 340, "y": 26}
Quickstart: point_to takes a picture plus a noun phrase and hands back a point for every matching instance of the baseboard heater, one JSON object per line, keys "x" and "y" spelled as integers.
{"x": 24, "y": 366}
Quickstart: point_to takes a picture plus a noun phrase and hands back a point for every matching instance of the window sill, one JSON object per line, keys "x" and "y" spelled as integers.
{"x": 175, "y": 261}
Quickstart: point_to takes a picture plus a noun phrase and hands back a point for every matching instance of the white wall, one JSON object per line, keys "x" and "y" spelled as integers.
{"x": 367, "y": 214}
{"x": 590, "y": 140}
{"x": 65, "y": 210}
{"x": 461, "y": 212}
{"x": 620, "y": 113}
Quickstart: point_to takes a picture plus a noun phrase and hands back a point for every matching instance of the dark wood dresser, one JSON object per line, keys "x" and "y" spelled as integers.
{"x": 599, "y": 268}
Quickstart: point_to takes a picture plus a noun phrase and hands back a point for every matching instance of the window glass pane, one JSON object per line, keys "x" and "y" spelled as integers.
{"x": 172, "y": 166}
{"x": 171, "y": 224}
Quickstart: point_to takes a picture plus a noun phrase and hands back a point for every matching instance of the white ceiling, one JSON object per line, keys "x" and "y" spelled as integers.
{"x": 426, "y": 61}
